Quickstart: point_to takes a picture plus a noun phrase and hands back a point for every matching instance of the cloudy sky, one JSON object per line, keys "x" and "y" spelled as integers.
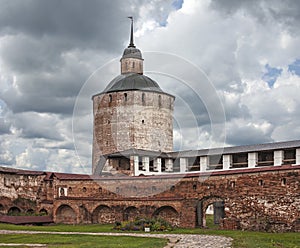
{"x": 234, "y": 67}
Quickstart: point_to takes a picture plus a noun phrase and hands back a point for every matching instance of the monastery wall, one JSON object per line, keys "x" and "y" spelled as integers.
{"x": 264, "y": 199}
{"x": 252, "y": 200}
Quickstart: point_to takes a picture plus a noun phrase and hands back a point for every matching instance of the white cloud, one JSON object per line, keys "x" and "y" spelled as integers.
{"x": 42, "y": 68}
{"x": 32, "y": 159}
{"x": 234, "y": 49}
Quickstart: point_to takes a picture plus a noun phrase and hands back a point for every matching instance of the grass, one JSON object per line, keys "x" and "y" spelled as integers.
{"x": 241, "y": 239}
{"x": 70, "y": 241}
{"x": 210, "y": 222}
{"x": 61, "y": 228}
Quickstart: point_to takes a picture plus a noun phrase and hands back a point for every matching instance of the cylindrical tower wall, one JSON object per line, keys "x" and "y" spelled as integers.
{"x": 132, "y": 119}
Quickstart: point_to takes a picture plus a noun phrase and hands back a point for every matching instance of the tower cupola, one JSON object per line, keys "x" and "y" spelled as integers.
{"x": 132, "y": 112}
{"x": 131, "y": 61}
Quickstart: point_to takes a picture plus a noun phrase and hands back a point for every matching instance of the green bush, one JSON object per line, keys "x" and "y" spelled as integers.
{"x": 139, "y": 224}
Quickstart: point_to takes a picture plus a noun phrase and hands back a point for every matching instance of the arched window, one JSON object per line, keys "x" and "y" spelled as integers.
{"x": 62, "y": 192}
{"x": 110, "y": 98}
{"x": 30, "y": 212}
{"x": 133, "y": 64}
{"x": 125, "y": 97}
{"x": 14, "y": 211}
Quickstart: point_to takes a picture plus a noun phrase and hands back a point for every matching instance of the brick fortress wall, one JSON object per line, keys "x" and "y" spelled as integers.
{"x": 132, "y": 119}
{"x": 263, "y": 200}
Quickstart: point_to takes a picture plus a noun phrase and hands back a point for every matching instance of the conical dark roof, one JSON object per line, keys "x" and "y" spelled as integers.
{"x": 132, "y": 81}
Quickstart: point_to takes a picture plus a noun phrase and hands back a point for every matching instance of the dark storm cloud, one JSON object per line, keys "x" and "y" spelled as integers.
{"x": 91, "y": 24}
{"x": 36, "y": 103}
{"x": 43, "y": 45}
{"x": 286, "y": 12}
{"x": 25, "y": 54}
{"x": 46, "y": 92}
{"x": 82, "y": 23}
{"x": 33, "y": 125}
{"x": 53, "y": 46}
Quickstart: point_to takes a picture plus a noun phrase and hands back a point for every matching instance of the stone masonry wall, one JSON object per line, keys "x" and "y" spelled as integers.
{"x": 132, "y": 119}
{"x": 262, "y": 200}
{"x": 20, "y": 192}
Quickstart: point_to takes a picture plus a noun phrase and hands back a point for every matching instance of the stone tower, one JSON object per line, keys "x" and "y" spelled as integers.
{"x": 132, "y": 111}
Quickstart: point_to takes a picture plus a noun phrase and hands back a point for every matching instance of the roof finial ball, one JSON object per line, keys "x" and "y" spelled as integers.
{"x": 131, "y": 61}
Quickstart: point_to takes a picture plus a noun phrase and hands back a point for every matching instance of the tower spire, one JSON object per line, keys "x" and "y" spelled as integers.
{"x": 131, "y": 33}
